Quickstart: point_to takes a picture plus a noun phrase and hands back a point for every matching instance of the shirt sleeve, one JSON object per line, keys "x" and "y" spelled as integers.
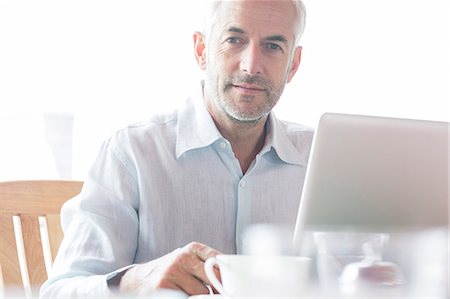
{"x": 96, "y": 224}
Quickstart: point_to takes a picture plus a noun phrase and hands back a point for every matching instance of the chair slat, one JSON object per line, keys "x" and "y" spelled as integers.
{"x": 8, "y": 252}
{"x": 55, "y": 233}
{"x": 33, "y": 249}
{"x": 2, "y": 284}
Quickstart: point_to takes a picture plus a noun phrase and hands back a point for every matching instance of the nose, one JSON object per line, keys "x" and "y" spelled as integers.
{"x": 251, "y": 60}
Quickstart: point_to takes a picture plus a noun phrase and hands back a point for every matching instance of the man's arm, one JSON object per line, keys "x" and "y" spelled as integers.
{"x": 101, "y": 228}
{"x": 100, "y": 237}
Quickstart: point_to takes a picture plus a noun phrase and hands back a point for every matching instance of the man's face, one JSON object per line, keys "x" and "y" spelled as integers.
{"x": 250, "y": 57}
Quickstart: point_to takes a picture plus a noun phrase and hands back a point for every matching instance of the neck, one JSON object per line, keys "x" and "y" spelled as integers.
{"x": 247, "y": 139}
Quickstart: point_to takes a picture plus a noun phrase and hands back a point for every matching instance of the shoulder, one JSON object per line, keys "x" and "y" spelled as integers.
{"x": 137, "y": 141}
{"x": 297, "y": 133}
{"x": 156, "y": 126}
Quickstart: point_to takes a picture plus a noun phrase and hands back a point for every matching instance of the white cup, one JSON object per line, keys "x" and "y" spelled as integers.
{"x": 259, "y": 276}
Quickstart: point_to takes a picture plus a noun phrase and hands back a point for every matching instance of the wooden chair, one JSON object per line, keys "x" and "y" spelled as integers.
{"x": 30, "y": 232}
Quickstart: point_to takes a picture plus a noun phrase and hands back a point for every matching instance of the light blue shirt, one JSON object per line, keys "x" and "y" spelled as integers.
{"x": 158, "y": 185}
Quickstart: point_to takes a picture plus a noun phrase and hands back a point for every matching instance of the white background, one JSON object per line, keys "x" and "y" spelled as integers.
{"x": 95, "y": 66}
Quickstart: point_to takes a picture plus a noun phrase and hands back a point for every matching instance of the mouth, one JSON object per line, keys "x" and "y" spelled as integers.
{"x": 248, "y": 88}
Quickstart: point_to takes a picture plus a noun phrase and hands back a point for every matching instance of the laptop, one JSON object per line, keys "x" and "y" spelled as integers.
{"x": 375, "y": 174}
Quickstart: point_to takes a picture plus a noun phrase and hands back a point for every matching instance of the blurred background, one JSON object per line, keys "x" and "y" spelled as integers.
{"x": 72, "y": 72}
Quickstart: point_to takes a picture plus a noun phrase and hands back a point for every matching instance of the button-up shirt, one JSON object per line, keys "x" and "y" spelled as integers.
{"x": 168, "y": 181}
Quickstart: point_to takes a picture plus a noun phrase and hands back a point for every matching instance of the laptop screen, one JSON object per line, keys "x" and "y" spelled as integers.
{"x": 372, "y": 173}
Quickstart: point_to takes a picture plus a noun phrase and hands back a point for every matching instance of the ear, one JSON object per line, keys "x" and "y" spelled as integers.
{"x": 295, "y": 63}
{"x": 199, "y": 49}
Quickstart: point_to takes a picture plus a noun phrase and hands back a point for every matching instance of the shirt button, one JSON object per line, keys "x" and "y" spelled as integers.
{"x": 223, "y": 144}
{"x": 243, "y": 184}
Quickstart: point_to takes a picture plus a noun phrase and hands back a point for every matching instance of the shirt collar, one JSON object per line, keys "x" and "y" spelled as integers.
{"x": 196, "y": 128}
{"x": 277, "y": 138}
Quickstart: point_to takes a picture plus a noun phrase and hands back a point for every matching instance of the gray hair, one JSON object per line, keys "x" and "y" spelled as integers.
{"x": 211, "y": 9}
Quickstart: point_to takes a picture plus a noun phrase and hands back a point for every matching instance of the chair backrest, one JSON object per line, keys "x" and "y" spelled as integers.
{"x": 30, "y": 232}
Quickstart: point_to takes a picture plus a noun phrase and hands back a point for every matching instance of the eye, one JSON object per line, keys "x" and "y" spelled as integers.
{"x": 273, "y": 46}
{"x": 233, "y": 40}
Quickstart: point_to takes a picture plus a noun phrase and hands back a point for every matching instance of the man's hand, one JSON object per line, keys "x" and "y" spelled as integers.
{"x": 182, "y": 269}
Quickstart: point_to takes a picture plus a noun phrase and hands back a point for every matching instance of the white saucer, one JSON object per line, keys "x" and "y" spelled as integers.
{"x": 208, "y": 296}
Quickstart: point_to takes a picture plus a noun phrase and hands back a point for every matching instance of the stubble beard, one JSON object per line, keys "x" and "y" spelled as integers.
{"x": 230, "y": 106}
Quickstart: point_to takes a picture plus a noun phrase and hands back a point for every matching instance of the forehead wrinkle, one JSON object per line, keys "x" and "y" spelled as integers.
{"x": 274, "y": 24}
{"x": 275, "y": 37}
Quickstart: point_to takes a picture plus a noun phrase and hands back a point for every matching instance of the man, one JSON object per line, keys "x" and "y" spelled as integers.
{"x": 202, "y": 174}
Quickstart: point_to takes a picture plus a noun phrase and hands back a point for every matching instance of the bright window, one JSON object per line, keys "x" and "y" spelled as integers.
{"x": 72, "y": 72}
